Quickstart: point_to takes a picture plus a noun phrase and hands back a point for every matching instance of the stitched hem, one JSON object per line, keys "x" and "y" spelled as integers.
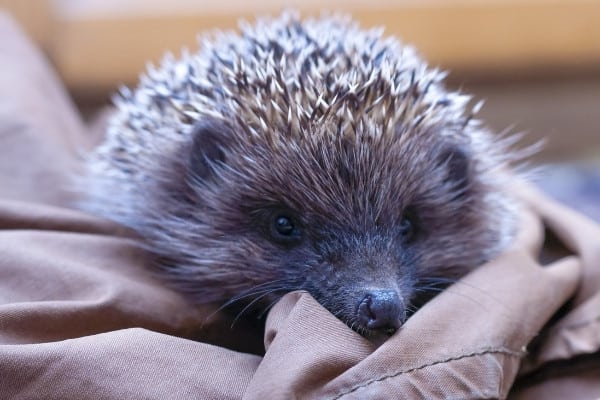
{"x": 503, "y": 351}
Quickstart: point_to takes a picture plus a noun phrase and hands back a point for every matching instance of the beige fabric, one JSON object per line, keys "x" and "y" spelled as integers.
{"x": 82, "y": 317}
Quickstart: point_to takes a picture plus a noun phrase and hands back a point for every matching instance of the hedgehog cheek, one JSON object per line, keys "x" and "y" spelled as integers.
{"x": 210, "y": 138}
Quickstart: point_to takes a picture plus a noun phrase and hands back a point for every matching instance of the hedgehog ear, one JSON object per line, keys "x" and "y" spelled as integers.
{"x": 210, "y": 138}
{"x": 457, "y": 164}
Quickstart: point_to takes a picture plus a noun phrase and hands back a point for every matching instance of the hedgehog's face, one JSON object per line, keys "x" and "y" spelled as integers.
{"x": 369, "y": 227}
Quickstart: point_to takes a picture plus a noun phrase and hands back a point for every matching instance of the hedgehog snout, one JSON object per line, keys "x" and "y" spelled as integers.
{"x": 382, "y": 311}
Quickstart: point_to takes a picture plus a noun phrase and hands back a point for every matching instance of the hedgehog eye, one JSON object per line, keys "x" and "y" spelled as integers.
{"x": 284, "y": 229}
{"x": 284, "y": 225}
{"x": 408, "y": 224}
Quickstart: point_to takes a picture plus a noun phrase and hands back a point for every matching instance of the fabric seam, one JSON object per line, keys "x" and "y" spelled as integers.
{"x": 504, "y": 351}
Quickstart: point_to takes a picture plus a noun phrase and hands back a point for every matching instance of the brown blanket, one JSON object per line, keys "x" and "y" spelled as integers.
{"x": 82, "y": 317}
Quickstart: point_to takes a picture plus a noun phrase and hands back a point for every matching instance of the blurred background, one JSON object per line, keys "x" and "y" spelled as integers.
{"x": 535, "y": 62}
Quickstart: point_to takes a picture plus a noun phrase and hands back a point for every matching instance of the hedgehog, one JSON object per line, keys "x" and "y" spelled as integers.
{"x": 311, "y": 155}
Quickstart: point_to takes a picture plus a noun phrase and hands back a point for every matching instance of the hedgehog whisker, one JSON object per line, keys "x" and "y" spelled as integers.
{"x": 411, "y": 308}
{"x": 267, "y": 308}
{"x": 247, "y": 295}
{"x": 253, "y": 291}
{"x": 237, "y": 317}
{"x": 259, "y": 287}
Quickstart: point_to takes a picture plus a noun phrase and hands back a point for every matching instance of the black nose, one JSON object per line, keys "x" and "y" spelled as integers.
{"x": 381, "y": 310}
